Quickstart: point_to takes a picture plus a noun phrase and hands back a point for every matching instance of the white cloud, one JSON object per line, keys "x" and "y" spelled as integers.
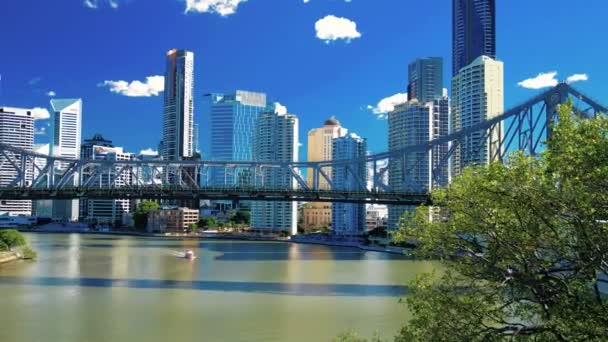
{"x": 280, "y": 109}
{"x": 152, "y": 87}
{"x": 577, "y": 78}
{"x": 333, "y": 28}
{"x": 148, "y": 152}
{"x": 90, "y": 3}
{"x": 543, "y": 80}
{"x": 40, "y": 131}
{"x": 51, "y": 93}
{"x": 95, "y": 4}
{"x": 40, "y": 113}
{"x": 388, "y": 104}
{"x": 221, "y": 7}
{"x": 42, "y": 148}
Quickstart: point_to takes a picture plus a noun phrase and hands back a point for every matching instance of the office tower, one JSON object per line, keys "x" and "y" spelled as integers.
{"x": 416, "y": 123}
{"x": 231, "y": 120}
{"x": 425, "y": 77}
{"x": 195, "y": 139}
{"x": 477, "y": 95}
{"x": 473, "y": 31}
{"x": 66, "y": 127}
{"x": 349, "y": 219}
{"x": 320, "y": 147}
{"x": 275, "y": 140}
{"x": 16, "y": 130}
{"x": 178, "y": 118}
{"x": 101, "y": 211}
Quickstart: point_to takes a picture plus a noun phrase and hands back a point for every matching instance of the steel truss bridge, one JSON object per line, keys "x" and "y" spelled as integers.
{"x": 25, "y": 175}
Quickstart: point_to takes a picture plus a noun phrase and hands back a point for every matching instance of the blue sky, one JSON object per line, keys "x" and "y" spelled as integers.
{"x": 70, "y": 47}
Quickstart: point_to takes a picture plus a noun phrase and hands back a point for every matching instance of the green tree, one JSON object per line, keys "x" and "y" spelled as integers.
{"x": 525, "y": 246}
{"x": 192, "y": 228}
{"x": 141, "y": 213}
{"x": 242, "y": 217}
{"x": 11, "y": 239}
{"x": 207, "y": 223}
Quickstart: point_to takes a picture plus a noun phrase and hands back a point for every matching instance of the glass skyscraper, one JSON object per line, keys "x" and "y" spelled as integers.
{"x": 425, "y": 77}
{"x": 473, "y": 32}
{"x": 230, "y": 123}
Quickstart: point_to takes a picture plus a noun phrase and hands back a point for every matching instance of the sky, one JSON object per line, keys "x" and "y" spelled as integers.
{"x": 316, "y": 57}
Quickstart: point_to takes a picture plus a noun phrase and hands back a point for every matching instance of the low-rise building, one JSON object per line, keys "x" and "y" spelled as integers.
{"x": 171, "y": 220}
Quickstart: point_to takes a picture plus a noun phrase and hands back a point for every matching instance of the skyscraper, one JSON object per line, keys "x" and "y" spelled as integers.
{"x": 349, "y": 219}
{"x": 17, "y": 130}
{"x": 178, "y": 117}
{"x": 66, "y": 128}
{"x": 416, "y": 123}
{"x": 473, "y": 31}
{"x": 320, "y": 148}
{"x": 425, "y": 76}
{"x": 231, "y": 121}
{"x": 275, "y": 140}
{"x": 477, "y": 95}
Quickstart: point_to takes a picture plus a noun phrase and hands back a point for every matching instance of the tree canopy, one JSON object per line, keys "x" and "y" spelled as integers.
{"x": 11, "y": 238}
{"x": 524, "y": 244}
{"x": 141, "y": 213}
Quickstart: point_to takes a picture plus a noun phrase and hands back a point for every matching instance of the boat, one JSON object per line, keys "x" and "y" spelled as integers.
{"x": 189, "y": 255}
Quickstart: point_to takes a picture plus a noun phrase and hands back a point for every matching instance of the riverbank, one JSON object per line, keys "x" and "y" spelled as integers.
{"x": 8, "y": 257}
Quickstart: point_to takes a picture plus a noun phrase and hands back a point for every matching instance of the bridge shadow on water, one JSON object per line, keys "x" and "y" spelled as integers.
{"x": 289, "y": 289}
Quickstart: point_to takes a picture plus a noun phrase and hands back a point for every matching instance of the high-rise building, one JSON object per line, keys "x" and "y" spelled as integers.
{"x": 17, "y": 130}
{"x": 349, "y": 219}
{"x": 101, "y": 211}
{"x": 477, "y": 95}
{"x": 425, "y": 77}
{"x": 66, "y": 128}
{"x": 178, "y": 117}
{"x": 320, "y": 148}
{"x": 473, "y": 31}
{"x": 231, "y": 120}
{"x": 416, "y": 123}
{"x": 275, "y": 140}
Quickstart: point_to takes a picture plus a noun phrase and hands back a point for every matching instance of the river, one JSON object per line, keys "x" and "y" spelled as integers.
{"x": 114, "y": 288}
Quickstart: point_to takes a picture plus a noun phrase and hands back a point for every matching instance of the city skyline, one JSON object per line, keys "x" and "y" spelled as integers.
{"x": 340, "y": 98}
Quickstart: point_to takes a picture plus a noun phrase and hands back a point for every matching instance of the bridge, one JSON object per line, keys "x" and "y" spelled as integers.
{"x": 31, "y": 176}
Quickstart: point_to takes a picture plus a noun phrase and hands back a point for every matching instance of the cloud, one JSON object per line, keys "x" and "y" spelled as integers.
{"x": 577, "y": 78}
{"x": 51, "y": 93}
{"x": 148, "y": 152}
{"x": 333, "y": 28}
{"x": 40, "y": 131}
{"x": 388, "y": 104}
{"x": 543, "y": 80}
{"x": 40, "y": 113}
{"x": 34, "y": 81}
{"x": 280, "y": 109}
{"x": 42, "y": 148}
{"x": 152, "y": 87}
{"x": 95, "y": 4}
{"x": 221, "y": 7}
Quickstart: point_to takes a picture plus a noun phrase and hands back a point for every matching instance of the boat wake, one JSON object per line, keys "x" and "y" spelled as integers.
{"x": 181, "y": 254}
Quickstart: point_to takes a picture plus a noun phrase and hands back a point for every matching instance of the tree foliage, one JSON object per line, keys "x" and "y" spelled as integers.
{"x": 525, "y": 244}
{"x": 207, "y": 223}
{"x": 11, "y": 239}
{"x": 141, "y": 213}
{"x": 241, "y": 217}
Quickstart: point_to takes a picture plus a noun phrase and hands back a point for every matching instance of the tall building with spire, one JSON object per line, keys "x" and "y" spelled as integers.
{"x": 178, "y": 116}
{"x": 320, "y": 148}
{"x": 473, "y": 31}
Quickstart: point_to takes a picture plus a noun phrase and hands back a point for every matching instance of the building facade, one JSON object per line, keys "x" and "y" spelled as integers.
{"x": 415, "y": 123}
{"x": 275, "y": 140}
{"x": 178, "y": 116}
{"x": 17, "y": 130}
{"x": 320, "y": 148}
{"x": 425, "y": 79}
{"x": 349, "y": 219}
{"x": 171, "y": 220}
{"x": 477, "y": 95}
{"x": 66, "y": 130}
{"x": 473, "y": 31}
{"x": 231, "y": 123}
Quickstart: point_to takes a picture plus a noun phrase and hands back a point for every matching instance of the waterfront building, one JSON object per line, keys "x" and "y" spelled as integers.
{"x": 231, "y": 120}
{"x": 425, "y": 79}
{"x": 178, "y": 116}
{"x": 275, "y": 140}
{"x": 17, "y": 130}
{"x": 66, "y": 128}
{"x": 171, "y": 220}
{"x": 320, "y": 148}
{"x": 376, "y": 216}
{"x": 348, "y": 219}
{"x": 473, "y": 31}
{"x": 477, "y": 95}
{"x": 416, "y": 123}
